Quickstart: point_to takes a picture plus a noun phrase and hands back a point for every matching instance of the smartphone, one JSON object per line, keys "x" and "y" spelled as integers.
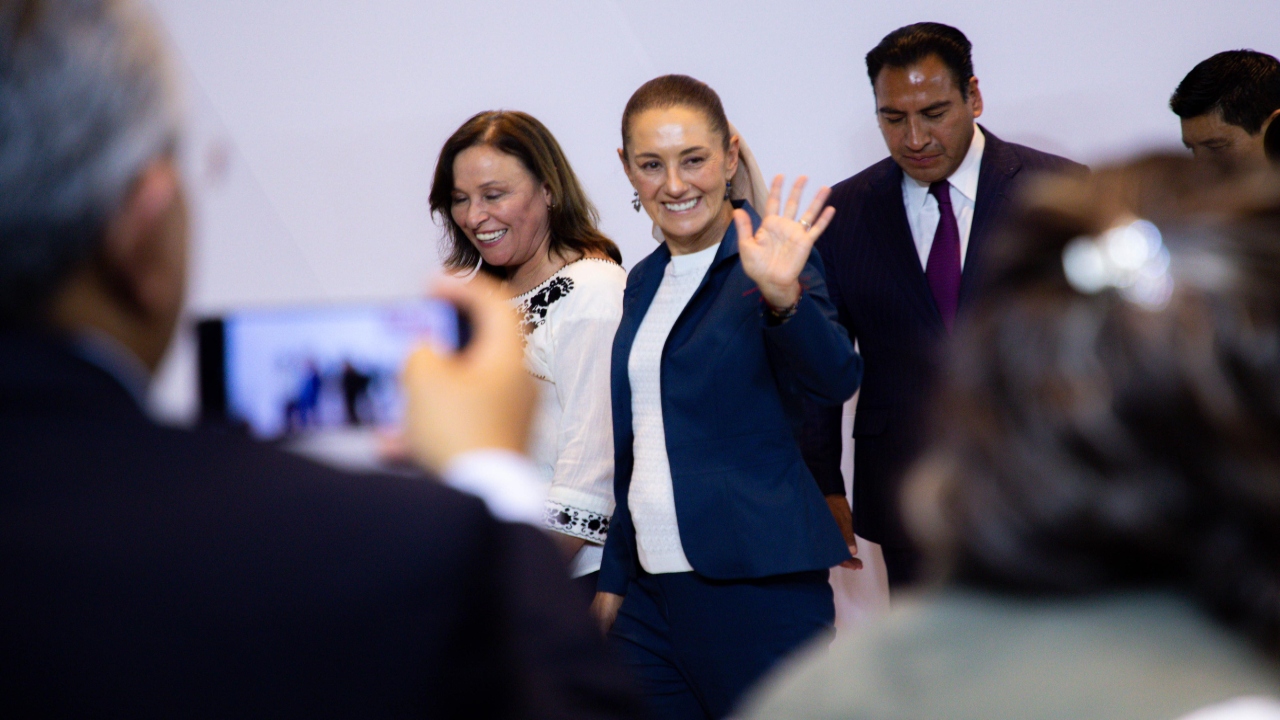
{"x": 286, "y": 372}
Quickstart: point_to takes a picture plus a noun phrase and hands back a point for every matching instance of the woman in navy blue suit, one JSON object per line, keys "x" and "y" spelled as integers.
{"x": 717, "y": 558}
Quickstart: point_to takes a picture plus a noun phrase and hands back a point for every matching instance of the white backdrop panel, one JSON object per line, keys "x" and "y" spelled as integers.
{"x": 315, "y": 123}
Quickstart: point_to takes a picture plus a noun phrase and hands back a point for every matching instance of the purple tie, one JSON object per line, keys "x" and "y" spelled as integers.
{"x": 943, "y": 269}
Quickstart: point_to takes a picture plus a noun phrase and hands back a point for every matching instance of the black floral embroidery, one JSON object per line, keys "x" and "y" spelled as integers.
{"x": 579, "y": 523}
{"x": 534, "y": 310}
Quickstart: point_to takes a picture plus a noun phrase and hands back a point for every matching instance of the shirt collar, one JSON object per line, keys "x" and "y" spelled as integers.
{"x": 964, "y": 180}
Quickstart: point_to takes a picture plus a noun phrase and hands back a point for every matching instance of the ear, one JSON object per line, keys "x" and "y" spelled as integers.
{"x": 1266, "y": 124}
{"x": 731, "y": 157}
{"x": 547, "y": 196}
{"x": 975, "y": 97}
{"x": 138, "y": 252}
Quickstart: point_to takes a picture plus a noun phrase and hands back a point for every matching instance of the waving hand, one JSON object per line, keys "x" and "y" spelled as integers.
{"x": 775, "y": 255}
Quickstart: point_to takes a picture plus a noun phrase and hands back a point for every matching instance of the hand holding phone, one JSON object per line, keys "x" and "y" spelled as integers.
{"x": 478, "y": 398}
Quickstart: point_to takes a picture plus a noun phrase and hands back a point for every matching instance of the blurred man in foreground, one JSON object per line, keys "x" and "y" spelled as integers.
{"x": 1227, "y": 103}
{"x": 149, "y": 571}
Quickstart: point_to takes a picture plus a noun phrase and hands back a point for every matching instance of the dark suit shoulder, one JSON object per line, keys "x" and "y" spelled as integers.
{"x": 655, "y": 260}
{"x": 256, "y": 465}
{"x": 854, "y": 190}
{"x": 1039, "y": 161}
{"x": 1036, "y": 160}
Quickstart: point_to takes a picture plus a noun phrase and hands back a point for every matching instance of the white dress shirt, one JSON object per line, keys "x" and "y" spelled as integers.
{"x": 922, "y": 207}
{"x": 651, "y": 498}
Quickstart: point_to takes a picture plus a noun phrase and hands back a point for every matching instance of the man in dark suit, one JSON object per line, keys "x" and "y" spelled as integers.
{"x": 1226, "y": 106}
{"x": 903, "y": 256}
{"x": 157, "y": 572}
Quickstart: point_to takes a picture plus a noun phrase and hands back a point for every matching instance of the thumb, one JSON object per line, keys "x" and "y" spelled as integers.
{"x": 423, "y": 362}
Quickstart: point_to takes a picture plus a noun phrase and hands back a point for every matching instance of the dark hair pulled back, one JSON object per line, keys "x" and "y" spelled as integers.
{"x": 671, "y": 91}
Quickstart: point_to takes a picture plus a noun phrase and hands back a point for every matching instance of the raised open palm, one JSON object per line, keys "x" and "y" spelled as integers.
{"x": 776, "y": 253}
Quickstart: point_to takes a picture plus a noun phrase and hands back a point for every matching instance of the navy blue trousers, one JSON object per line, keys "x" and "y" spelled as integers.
{"x": 695, "y": 645}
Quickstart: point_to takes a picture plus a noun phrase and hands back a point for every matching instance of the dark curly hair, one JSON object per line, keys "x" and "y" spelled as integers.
{"x": 1108, "y": 443}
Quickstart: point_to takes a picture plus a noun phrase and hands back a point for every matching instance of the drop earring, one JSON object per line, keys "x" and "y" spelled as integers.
{"x": 728, "y": 185}
{"x": 635, "y": 201}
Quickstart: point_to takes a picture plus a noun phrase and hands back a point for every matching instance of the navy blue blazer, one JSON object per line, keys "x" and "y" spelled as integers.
{"x": 883, "y": 299}
{"x": 733, "y": 393}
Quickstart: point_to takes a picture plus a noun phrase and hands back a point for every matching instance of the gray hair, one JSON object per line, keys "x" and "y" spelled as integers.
{"x": 87, "y": 101}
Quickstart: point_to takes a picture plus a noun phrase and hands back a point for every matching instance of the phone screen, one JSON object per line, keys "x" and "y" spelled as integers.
{"x": 282, "y": 372}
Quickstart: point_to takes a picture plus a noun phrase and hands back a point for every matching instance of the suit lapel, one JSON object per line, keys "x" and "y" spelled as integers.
{"x": 889, "y": 224}
{"x": 726, "y": 253}
{"x": 999, "y": 165}
{"x": 638, "y": 296}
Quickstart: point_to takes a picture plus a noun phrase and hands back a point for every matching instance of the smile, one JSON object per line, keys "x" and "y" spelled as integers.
{"x": 681, "y": 206}
{"x": 489, "y": 238}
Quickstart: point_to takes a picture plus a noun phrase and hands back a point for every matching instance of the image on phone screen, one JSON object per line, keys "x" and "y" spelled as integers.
{"x": 292, "y": 371}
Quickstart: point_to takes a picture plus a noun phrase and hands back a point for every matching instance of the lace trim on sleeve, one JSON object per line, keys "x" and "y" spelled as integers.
{"x": 590, "y": 526}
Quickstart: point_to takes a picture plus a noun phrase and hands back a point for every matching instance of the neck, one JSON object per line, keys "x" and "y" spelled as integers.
{"x": 708, "y": 236}
{"x": 86, "y": 305}
{"x": 534, "y": 271}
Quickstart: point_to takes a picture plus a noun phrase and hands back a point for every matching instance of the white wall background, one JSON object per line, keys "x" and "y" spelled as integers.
{"x": 315, "y": 123}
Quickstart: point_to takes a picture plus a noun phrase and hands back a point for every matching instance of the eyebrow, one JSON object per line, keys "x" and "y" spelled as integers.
{"x": 883, "y": 109}
{"x": 686, "y": 151}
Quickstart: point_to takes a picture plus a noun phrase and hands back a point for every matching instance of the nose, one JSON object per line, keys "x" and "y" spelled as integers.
{"x": 917, "y": 137}
{"x": 674, "y": 185}
{"x": 476, "y": 214}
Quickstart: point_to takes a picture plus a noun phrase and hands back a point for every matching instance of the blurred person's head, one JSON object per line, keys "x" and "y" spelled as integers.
{"x": 681, "y": 157}
{"x": 927, "y": 98}
{"x": 1120, "y": 389}
{"x": 508, "y": 195}
{"x": 1226, "y": 105}
{"x": 92, "y": 216}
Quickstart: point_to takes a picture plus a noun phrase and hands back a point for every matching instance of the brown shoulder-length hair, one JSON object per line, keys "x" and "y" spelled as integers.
{"x": 574, "y": 220}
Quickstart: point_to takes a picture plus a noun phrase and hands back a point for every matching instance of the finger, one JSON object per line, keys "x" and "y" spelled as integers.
{"x": 494, "y": 330}
{"x": 743, "y": 222}
{"x": 852, "y": 564}
{"x": 775, "y": 196}
{"x": 815, "y": 207}
{"x": 422, "y": 363}
{"x": 793, "y": 200}
{"x": 823, "y": 221}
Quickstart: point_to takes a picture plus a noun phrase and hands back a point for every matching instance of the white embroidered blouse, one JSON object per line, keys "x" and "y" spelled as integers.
{"x": 569, "y": 322}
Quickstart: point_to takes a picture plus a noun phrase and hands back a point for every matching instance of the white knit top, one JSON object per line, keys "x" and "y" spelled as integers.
{"x": 651, "y": 498}
{"x": 569, "y": 322}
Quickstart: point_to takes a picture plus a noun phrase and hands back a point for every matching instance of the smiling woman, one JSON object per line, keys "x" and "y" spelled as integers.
{"x": 513, "y": 209}
{"x": 716, "y": 563}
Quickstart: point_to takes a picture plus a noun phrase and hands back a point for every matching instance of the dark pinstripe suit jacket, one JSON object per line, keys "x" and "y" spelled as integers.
{"x": 880, "y": 292}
